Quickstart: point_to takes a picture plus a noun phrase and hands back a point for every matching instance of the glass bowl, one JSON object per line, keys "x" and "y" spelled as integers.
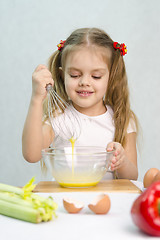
{"x": 78, "y": 167}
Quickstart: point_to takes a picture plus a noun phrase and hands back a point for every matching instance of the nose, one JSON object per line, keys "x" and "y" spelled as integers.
{"x": 84, "y": 81}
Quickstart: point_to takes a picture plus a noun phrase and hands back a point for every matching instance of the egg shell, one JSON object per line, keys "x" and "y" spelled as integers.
{"x": 149, "y": 176}
{"x": 101, "y": 204}
{"x": 157, "y": 177}
{"x": 72, "y": 205}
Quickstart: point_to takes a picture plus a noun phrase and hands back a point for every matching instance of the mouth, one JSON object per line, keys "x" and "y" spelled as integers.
{"x": 84, "y": 93}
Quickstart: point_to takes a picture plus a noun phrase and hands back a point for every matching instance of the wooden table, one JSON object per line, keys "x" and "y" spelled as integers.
{"x": 117, "y": 185}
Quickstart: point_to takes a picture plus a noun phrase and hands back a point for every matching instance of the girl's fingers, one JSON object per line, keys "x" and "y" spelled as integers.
{"x": 117, "y": 164}
{"x": 117, "y": 161}
{"x": 114, "y": 160}
{"x": 42, "y": 76}
{"x": 110, "y": 147}
{"x": 113, "y": 146}
{"x": 40, "y": 67}
{"x": 114, "y": 163}
{"x": 118, "y": 155}
{"x": 118, "y": 148}
{"x": 115, "y": 168}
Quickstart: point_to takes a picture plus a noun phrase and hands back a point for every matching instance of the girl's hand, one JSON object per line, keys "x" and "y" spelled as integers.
{"x": 40, "y": 78}
{"x": 119, "y": 157}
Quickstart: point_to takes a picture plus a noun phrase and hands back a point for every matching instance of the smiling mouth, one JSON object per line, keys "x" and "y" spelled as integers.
{"x": 84, "y": 93}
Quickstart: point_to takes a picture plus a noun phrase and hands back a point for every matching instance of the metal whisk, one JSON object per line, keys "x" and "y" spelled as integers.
{"x": 63, "y": 117}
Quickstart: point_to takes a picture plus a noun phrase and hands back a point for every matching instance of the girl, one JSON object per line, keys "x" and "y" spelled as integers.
{"x": 87, "y": 69}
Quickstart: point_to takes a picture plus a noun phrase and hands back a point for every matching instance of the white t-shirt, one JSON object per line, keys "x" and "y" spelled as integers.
{"x": 94, "y": 130}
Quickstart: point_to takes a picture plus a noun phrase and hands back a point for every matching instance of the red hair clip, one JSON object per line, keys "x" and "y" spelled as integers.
{"x": 122, "y": 48}
{"x": 61, "y": 45}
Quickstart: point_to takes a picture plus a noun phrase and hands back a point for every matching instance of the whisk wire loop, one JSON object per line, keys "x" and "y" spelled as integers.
{"x": 64, "y": 119}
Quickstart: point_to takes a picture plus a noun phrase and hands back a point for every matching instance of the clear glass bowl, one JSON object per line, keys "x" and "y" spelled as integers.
{"x": 78, "y": 167}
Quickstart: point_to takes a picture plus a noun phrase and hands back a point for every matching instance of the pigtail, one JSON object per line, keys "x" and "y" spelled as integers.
{"x": 118, "y": 97}
{"x": 54, "y": 65}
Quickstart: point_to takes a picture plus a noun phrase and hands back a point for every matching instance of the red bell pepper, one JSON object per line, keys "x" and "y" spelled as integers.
{"x": 145, "y": 210}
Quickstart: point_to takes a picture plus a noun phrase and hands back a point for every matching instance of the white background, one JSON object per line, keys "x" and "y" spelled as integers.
{"x": 29, "y": 33}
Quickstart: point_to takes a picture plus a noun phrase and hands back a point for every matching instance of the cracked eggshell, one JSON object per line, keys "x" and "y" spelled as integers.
{"x": 72, "y": 205}
{"x": 101, "y": 204}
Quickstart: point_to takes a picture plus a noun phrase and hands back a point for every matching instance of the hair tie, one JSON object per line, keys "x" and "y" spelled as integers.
{"x": 122, "y": 48}
{"x": 61, "y": 45}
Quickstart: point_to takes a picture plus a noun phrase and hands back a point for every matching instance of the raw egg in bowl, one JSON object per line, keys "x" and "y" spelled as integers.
{"x": 78, "y": 167}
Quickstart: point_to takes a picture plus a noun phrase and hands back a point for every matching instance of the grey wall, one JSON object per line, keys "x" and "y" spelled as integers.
{"x": 30, "y": 31}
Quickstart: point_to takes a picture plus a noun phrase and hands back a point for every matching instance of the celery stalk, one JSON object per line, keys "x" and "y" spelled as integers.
{"x": 14, "y": 199}
{"x": 9, "y": 188}
{"x": 25, "y": 191}
{"x": 20, "y": 212}
{"x": 22, "y": 203}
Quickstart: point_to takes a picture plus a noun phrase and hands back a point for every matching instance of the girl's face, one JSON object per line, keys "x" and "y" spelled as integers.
{"x": 86, "y": 78}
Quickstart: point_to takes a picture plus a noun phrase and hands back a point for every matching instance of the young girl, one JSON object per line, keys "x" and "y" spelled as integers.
{"x": 87, "y": 70}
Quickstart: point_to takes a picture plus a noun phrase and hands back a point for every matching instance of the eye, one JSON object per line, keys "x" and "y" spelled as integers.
{"x": 74, "y": 76}
{"x": 97, "y": 77}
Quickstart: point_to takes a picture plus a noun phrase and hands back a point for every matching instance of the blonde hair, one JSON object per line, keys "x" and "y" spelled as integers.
{"x": 117, "y": 95}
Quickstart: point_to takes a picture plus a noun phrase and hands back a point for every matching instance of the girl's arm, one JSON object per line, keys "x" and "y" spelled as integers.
{"x": 124, "y": 162}
{"x": 36, "y": 135}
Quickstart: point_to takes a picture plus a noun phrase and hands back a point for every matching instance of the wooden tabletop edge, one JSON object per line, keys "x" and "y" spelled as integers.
{"x": 117, "y": 185}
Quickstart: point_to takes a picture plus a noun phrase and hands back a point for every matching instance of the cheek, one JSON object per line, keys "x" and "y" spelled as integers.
{"x": 69, "y": 85}
{"x": 106, "y": 84}
{"x": 103, "y": 88}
